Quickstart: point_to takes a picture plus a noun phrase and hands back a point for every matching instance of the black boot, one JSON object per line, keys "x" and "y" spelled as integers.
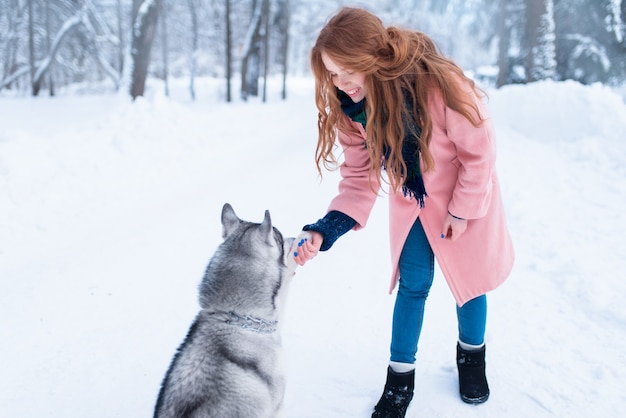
{"x": 397, "y": 394}
{"x": 472, "y": 380}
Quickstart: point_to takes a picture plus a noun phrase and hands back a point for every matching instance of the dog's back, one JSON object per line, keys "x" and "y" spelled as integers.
{"x": 229, "y": 363}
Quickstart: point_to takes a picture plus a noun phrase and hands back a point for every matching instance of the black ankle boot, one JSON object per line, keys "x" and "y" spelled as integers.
{"x": 472, "y": 379}
{"x": 396, "y": 396}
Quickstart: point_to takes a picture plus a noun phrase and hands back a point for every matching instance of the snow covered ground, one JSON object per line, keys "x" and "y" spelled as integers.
{"x": 109, "y": 212}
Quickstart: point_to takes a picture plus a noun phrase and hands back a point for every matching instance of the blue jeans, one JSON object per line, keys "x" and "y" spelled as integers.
{"x": 417, "y": 266}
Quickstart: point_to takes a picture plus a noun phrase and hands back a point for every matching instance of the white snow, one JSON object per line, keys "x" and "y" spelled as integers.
{"x": 110, "y": 210}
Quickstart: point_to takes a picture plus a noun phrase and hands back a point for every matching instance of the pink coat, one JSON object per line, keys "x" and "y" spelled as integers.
{"x": 464, "y": 182}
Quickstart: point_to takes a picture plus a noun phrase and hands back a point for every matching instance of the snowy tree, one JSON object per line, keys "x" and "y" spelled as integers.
{"x": 541, "y": 63}
{"x": 229, "y": 51}
{"x": 621, "y": 37}
{"x": 31, "y": 47}
{"x": 121, "y": 46}
{"x": 193, "y": 59}
{"x": 12, "y": 19}
{"x": 282, "y": 23}
{"x": 68, "y": 39}
{"x": 510, "y": 65}
{"x": 85, "y": 26}
{"x": 250, "y": 62}
{"x": 164, "y": 46}
{"x": 145, "y": 18}
{"x": 588, "y": 40}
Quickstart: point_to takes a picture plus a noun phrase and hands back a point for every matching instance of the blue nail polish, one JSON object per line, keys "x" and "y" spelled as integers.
{"x": 443, "y": 236}
{"x": 295, "y": 254}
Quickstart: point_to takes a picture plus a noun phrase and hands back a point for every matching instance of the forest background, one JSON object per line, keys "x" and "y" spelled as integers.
{"x": 46, "y": 45}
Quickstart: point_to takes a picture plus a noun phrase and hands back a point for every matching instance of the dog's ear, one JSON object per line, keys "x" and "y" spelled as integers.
{"x": 266, "y": 227}
{"x": 230, "y": 220}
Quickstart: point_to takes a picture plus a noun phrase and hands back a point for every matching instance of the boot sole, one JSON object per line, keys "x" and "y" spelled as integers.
{"x": 475, "y": 401}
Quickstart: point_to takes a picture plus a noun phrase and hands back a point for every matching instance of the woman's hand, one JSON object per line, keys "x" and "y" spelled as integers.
{"x": 307, "y": 246}
{"x": 453, "y": 227}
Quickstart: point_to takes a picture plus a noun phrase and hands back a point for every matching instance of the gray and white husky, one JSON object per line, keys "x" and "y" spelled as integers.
{"x": 229, "y": 365}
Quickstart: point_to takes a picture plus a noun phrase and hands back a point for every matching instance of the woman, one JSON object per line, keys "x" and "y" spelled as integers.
{"x": 397, "y": 105}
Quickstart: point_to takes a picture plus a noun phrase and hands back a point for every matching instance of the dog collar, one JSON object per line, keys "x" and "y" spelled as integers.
{"x": 247, "y": 322}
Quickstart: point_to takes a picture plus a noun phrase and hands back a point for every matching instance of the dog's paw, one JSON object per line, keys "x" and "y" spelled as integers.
{"x": 297, "y": 242}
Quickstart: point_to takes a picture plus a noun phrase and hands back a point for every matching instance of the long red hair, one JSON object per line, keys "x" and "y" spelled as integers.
{"x": 396, "y": 62}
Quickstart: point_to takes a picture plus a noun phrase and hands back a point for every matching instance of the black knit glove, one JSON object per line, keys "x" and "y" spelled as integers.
{"x": 331, "y": 226}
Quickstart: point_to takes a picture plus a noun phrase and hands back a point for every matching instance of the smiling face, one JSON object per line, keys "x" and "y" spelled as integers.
{"x": 346, "y": 80}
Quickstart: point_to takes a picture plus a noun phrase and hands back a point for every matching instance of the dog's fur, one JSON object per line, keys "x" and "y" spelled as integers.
{"x": 229, "y": 364}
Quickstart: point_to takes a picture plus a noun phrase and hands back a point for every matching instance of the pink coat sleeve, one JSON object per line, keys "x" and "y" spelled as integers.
{"x": 357, "y": 194}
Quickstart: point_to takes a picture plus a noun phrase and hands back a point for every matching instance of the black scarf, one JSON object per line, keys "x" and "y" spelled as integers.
{"x": 413, "y": 182}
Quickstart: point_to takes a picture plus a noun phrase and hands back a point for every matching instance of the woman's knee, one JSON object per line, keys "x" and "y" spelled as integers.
{"x": 415, "y": 284}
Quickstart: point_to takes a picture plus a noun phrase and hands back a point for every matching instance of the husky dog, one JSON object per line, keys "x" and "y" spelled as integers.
{"x": 228, "y": 366}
